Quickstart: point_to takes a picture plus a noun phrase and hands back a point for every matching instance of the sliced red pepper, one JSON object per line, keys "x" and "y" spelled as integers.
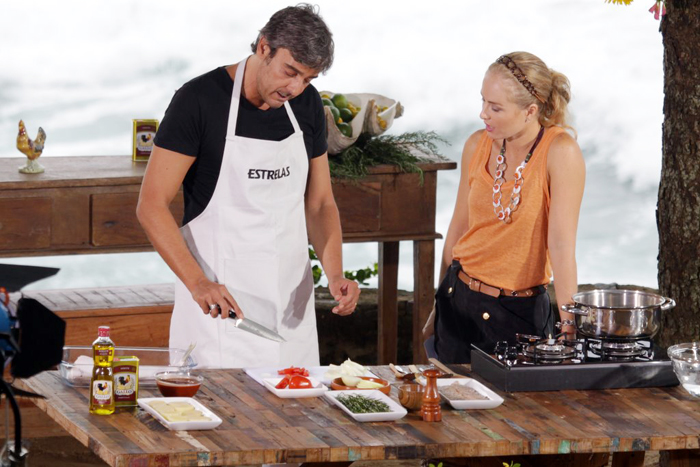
{"x": 283, "y": 383}
{"x": 299, "y": 382}
{"x": 292, "y": 370}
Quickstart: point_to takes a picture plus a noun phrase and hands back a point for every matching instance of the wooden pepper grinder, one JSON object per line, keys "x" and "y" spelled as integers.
{"x": 430, "y": 410}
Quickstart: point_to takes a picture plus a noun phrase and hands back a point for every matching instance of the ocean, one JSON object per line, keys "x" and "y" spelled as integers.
{"x": 83, "y": 70}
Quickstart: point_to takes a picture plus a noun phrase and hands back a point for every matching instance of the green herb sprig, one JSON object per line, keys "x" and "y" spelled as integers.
{"x": 401, "y": 150}
{"x": 362, "y": 404}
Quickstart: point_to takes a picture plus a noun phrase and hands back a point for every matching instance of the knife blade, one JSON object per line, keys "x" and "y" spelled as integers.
{"x": 246, "y": 324}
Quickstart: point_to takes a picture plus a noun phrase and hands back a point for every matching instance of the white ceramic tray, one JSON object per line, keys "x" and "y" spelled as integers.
{"x": 494, "y": 400}
{"x": 177, "y": 426}
{"x": 396, "y": 412}
{"x": 317, "y": 389}
{"x": 318, "y": 372}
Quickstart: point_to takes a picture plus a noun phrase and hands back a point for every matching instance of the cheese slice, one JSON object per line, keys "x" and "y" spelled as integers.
{"x": 178, "y": 411}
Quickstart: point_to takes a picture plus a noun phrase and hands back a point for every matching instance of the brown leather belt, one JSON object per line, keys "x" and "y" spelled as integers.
{"x": 477, "y": 286}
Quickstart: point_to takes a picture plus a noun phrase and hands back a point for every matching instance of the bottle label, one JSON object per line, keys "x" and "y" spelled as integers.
{"x": 102, "y": 392}
{"x": 124, "y": 386}
{"x": 104, "y": 352}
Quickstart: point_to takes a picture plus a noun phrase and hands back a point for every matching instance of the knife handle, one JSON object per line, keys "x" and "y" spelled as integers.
{"x": 444, "y": 368}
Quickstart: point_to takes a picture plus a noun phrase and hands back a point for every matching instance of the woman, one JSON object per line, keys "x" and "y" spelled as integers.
{"x": 516, "y": 214}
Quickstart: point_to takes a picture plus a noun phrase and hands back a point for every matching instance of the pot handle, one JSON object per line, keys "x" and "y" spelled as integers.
{"x": 668, "y": 304}
{"x": 576, "y": 309}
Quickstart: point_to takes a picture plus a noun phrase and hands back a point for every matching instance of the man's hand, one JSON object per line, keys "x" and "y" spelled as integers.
{"x": 214, "y": 299}
{"x": 346, "y": 293}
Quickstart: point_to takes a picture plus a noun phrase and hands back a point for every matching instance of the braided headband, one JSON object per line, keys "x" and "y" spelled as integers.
{"x": 508, "y": 62}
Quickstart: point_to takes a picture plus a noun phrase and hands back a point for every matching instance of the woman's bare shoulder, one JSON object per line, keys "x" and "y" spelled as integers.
{"x": 564, "y": 152}
{"x": 471, "y": 144}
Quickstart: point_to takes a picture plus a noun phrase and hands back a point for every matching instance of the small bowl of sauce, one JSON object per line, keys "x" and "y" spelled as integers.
{"x": 173, "y": 384}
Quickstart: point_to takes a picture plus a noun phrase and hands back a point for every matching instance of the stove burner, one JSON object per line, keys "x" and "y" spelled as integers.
{"x": 617, "y": 350}
{"x": 550, "y": 350}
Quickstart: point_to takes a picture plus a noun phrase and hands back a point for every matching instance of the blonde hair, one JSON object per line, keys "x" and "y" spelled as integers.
{"x": 552, "y": 90}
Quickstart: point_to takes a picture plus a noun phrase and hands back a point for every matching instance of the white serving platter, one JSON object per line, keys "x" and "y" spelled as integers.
{"x": 317, "y": 389}
{"x": 397, "y": 411}
{"x": 494, "y": 400}
{"x": 318, "y": 372}
{"x": 144, "y": 403}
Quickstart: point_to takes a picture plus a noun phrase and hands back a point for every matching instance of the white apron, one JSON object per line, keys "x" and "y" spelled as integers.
{"x": 252, "y": 238}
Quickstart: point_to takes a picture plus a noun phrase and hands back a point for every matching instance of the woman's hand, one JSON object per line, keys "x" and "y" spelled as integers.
{"x": 567, "y": 329}
{"x": 569, "y": 332}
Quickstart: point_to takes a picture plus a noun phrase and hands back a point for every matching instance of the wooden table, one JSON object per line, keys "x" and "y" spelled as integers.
{"x": 259, "y": 428}
{"x": 88, "y": 205}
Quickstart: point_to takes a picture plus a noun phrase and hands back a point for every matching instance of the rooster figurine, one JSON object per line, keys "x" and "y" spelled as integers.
{"x": 31, "y": 149}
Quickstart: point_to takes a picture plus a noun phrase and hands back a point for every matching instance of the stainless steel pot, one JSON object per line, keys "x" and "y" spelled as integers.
{"x": 618, "y": 314}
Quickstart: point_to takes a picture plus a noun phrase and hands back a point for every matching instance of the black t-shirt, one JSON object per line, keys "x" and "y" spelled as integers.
{"x": 195, "y": 125}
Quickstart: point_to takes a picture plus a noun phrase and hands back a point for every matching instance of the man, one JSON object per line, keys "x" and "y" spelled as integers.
{"x": 248, "y": 144}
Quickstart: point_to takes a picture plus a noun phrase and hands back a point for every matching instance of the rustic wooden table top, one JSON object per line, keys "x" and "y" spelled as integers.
{"x": 259, "y": 427}
{"x": 73, "y": 171}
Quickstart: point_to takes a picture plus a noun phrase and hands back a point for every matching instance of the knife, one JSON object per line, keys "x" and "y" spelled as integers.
{"x": 444, "y": 368}
{"x": 251, "y": 326}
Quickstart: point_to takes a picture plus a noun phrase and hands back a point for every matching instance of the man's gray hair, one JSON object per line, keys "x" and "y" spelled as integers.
{"x": 302, "y": 31}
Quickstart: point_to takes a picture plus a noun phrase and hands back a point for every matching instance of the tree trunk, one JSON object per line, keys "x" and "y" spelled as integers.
{"x": 678, "y": 209}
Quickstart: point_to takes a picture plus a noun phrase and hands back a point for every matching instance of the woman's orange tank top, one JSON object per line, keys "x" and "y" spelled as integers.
{"x": 511, "y": 256}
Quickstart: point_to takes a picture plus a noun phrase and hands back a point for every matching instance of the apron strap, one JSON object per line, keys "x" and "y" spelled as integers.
{"x": 291, "y": 116}
{"x": 236, "y": 98}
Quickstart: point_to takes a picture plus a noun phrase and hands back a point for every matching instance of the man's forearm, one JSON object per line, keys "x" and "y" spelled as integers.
{"x": 325, "y": 234}
{"x": 164, "y": 234}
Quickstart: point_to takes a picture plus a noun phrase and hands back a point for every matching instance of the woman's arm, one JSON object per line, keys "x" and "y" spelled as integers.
{"x": 567, "y": 174}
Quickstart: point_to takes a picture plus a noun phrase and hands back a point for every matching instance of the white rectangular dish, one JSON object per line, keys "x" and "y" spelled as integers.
{"x": 396, "y": 411}
{"x": 318, "y": 372}
{"x": 493, "y": 400}
{"x": 317, "y": 389}
{"x": 215, "y": 421}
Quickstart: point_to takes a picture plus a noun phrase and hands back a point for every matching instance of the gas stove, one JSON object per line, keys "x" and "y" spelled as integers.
{"x": 536, "y": 364}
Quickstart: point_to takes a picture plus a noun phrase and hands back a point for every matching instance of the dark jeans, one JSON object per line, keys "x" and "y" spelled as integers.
{"x": 464, "y": 317}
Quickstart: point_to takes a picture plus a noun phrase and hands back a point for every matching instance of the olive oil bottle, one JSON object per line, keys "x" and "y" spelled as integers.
{"x": 102, "y": 383}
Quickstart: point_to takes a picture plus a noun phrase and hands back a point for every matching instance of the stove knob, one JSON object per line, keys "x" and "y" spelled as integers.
{"x": 486, "y": 316}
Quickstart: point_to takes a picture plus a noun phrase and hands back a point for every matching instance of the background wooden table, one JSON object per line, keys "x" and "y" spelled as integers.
{"x": 259, "y": 427}
{"x": 88, "y": 205}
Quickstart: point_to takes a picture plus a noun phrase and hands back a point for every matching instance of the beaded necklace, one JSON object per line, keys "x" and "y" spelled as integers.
{"x": 502, "y": 213}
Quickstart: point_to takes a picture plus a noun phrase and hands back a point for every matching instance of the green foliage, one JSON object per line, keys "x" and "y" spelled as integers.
{"x": 315, "y": 269}
{"x": 360, "y": 275}
{"x": 433, "y": 465}
{"x": 512, "y": 464}
{"x": 405, "y": 151}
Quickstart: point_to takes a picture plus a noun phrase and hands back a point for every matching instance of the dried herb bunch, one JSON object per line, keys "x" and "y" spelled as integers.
{"x": 405, "y": 151}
